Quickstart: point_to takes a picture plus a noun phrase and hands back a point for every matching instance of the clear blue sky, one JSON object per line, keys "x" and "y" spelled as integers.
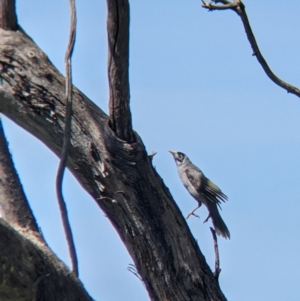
{"x": 196, "y": 88}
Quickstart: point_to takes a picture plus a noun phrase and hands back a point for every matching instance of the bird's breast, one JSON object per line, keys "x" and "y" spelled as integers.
{"x": 188, "y": 185}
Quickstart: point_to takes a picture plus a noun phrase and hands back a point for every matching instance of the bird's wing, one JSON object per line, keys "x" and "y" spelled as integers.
{"x": 206, "y": 187}
{"x": 213, "y": 190}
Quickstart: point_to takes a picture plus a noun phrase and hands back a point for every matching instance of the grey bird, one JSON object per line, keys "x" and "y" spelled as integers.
{"x": 202, "y": 190}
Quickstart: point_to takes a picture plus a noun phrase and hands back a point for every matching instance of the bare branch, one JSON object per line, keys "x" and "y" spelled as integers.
{"x": 217, "y": 258}
{"x": 8, "y": 17}
{"x": 66, "y": 141}
{"x": 239, "y": 7}
{"x": 14, "y": 207}
{"x": 118, "y": 61}
{"x": 290, "y": 89}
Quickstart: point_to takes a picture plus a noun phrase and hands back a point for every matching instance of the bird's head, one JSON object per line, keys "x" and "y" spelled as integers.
{"x": 180, "y": 158}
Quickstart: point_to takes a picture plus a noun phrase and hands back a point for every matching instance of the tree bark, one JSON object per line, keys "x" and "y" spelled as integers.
{"x": 8, "y": 17}
{"x": 118, "y": 175}
{"x": 14, "y": 207}
{"x": 29, "y": 271}
{"x": 118, "y": 62}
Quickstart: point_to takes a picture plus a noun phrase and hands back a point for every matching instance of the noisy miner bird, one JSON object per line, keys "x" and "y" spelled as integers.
{"x": 202, "y": 190}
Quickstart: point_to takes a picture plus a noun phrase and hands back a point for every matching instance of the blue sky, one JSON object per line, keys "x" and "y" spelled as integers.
{"x": 196, "y": 88}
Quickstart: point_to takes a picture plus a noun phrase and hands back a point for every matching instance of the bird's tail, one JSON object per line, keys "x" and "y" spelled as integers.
{"x": 219, "y": 225}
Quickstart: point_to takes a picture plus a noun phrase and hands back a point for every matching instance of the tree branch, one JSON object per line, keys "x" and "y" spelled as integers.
{"x": 30, "y": 271}
{"x": 14, "y": 207}
{"x": 8, "y": 17}
{"x": 23, "y": 251}
{"x": 66, "y": 141}
{"x": 217, "y": 257}
{"x": 239, "y": 7}
{"x": 118, "y": 61}
{"x": 226, "y": 5}
{"x": 118, "y": 175}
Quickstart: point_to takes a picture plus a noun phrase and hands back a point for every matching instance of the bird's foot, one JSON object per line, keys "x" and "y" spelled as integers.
{"x": 192, "y": 213}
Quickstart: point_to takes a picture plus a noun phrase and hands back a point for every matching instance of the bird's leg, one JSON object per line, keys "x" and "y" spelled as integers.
{"x": 207, "y": 218}
{"x": 192, "y": 213}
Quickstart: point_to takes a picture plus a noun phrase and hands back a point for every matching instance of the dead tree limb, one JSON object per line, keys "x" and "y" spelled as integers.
{"x": 30, "y": 271}
{"x": 118, "y": 62}
{"x": 14, "y": 207}
{"x": 8, "y": 16}
{"x": 117, "y": 174}
{"x": 23, "y": 249}
{"x": 239, "y": 7}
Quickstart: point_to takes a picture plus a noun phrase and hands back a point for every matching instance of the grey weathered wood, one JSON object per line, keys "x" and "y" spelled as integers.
{"x": 118, "y": 175}
{"x": 118, "y": 62}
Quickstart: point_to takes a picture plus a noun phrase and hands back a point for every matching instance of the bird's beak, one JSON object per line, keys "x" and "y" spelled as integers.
{"x": 173, "y": 153}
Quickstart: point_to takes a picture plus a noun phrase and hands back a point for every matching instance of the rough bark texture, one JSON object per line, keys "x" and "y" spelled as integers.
{"x": 14, "y": 207}
{"x": 8, "y": 17}
{"x": 118, "y": 175}
{"x": 29, "y": 271}
{"x": 118, "y": 61}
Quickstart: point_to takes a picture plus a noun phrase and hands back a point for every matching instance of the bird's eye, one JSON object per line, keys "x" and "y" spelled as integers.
{"x": 180, "y": 157}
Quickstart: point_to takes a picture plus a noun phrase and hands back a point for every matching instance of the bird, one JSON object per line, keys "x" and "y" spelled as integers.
{"x": 203, "y": 190}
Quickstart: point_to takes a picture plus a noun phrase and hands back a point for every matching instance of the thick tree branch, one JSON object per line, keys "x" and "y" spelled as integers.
{"x": 30, "y": 271}
{"x": 118, "y": 61}
{"x": 8, "y": 17}
{"x": 23, "y": 249}
{"x": 239, "y": 7}
{"x": 66, "y": 141}
{"x": 118, "y": 175}
{"x": 14, "y": 207}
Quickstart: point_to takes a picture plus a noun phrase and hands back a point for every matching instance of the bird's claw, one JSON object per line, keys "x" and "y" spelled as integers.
{"x": 192, "y": 213}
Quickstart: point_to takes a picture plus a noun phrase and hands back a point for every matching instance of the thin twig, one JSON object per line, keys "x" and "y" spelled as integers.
{"x": 217, "y": 258}
{"x": 151, "y": 155}
{"x": 239, "y": 7}
{"x": 66, "y": 141}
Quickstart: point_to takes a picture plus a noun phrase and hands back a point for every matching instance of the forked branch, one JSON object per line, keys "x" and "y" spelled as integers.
{"x": 143, "y": 213}
{"x": 239, "y": 7}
